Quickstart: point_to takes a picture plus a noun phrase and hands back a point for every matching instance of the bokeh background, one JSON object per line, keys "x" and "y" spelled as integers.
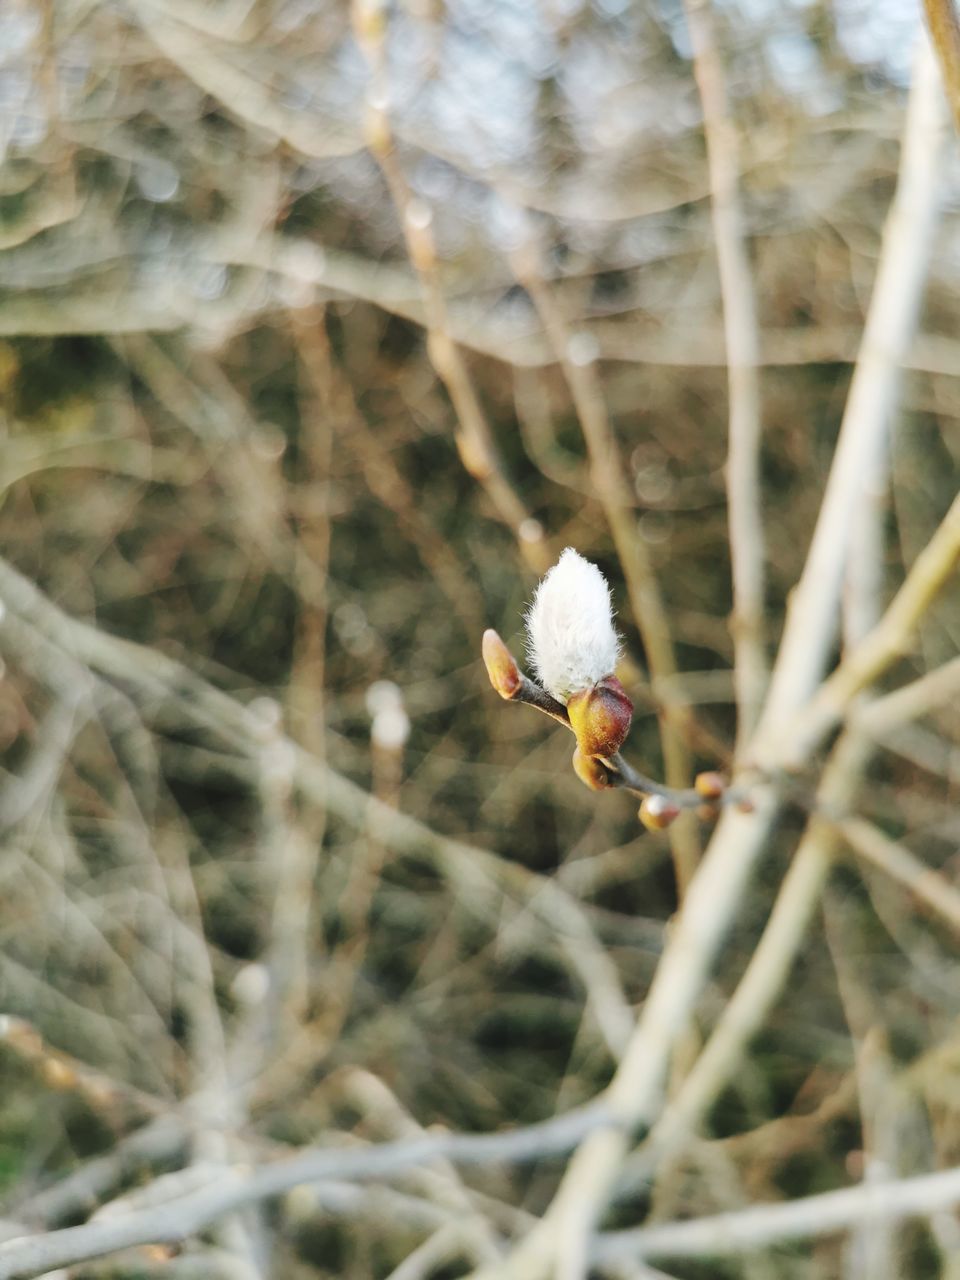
{"x": 227, "y": 230}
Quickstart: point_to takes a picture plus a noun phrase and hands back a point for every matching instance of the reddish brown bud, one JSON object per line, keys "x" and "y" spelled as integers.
{"x": 590, "y": 771}
{"x": 710, "y": 785}
{"x": 657, "y": 813}
{"x": 501, "y": 665}
{"x": 600, "y": 717}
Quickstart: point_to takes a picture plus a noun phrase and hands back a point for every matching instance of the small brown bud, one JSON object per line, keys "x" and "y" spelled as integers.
{"x": 710, "y": 785}
{"x": 59, "y": 1074}
{"x": 159, "y": 1252}
{"x": 657, "y": 813}
{"x": 376, "y": 130}
{"x": 475, "y": 461}
{"x": 746, "y": 805}
{"x": 501, "y": 665}
{"x": 591, "y": 772}
{"x": 443, "y": 357}
{"x": 418, "y": 221}
{"x": 600, "y": 717}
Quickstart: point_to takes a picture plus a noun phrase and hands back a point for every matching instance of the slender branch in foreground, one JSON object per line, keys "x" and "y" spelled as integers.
{"x": 231, "y": 1188}
{"x": 806, "y": 1219}
{"x": 874, "y": 394}
{"x": 769, "y": 966}
{"x": 715, "y": 893}
{"x": 886, "y": 642}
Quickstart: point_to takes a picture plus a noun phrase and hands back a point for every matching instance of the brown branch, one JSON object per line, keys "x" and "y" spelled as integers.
{"x": 945, "y": 34}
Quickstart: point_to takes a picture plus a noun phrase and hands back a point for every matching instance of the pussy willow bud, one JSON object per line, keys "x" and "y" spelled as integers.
{"x": 591, "y": 772}
{"x": 501, "y": 665}
{"x": 710, "y": 785}
{"x": 657, "y": 813}
{"x": 571, "y": 639}
{"x": 600, "y": 717}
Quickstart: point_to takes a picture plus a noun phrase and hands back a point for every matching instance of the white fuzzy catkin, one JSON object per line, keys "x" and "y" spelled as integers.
{"x": 570, "y": 637}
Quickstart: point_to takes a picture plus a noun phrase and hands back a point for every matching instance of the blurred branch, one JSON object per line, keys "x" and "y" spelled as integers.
{"x": 63, "y": 1071}
{"x": 160, "y": 1142}
{"x": 763, "y": 1225}
{"x": 884, "y": 644}
{"x": 243, "y": 95}
{"x": 224, "y": 1189}
{"x": 441, "y": 1182}
{"x": 769, "y": 966}
{"x": 870, "y": 844}
{"x": 928, "y": 693}
{"x": 474, "y": 438}
{"x": 577, "y": 358}
{"x": 891, "y": 320}
{"x": 161, "y": 683}
{"x": 714, "y": 895}
{"x": 742, "y": 339}
{"x": 945, "y": 35}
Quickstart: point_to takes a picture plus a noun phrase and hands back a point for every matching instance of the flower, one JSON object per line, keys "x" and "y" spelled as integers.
{"x": 571, "y": 641}
{"x": 574, "y": 648}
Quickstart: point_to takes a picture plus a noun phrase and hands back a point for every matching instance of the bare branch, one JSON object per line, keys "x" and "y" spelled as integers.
{"x": 894, "y": 308}
{"x": 945, "y": 35}
{"x": 226, "y": 1189}
{"x": 742, "y": 341}
{"x": 808, "y": 1219}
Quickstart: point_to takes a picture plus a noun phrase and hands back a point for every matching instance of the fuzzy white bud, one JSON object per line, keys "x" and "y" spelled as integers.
{"x": 571, "y": 641}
